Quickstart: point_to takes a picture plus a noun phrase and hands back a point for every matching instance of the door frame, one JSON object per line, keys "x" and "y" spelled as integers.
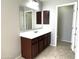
{"x": 74, "y": 17}
{"x": 77, "y": 36}
{"x": 25, "y": 12}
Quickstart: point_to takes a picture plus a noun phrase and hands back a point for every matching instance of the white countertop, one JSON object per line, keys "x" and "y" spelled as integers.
{"x": 31, "y": 34}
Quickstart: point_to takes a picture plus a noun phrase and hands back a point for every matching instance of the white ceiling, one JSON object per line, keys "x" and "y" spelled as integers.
{"x": 43, "y": 0}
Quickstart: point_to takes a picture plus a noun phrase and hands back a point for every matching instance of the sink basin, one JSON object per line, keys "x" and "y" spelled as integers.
{"x": 35, "y": 31}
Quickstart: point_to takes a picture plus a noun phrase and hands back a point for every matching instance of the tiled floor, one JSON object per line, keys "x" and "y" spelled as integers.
{"x": 62, "y": 51}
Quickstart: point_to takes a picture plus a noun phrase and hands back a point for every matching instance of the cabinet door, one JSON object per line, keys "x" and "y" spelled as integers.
{"x": 26, "y": 48}
{"x": 38, "y": 17}
{"x": 23, "y": 47}
{"x": 45, "y": 17}
{"x": 34, "y": 49}
{"x": 49, "y": 38}
{"x": 46, "y": 38}
{"x": 40, "y": 45}
{"x": 45, "y": 42}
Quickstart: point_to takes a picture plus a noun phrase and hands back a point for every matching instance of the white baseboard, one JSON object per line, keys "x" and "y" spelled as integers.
{"x": 53, "y": 45}
{"x": 66, "y": 41}
{"x": 18, "y": 57}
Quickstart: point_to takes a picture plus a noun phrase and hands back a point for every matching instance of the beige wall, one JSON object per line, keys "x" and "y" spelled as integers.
{"x": 10, "y": 29}
{"x": 10, "y": 41}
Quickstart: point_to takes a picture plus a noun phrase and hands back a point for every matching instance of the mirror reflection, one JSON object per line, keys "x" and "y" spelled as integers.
{"x": 28, "y": 19}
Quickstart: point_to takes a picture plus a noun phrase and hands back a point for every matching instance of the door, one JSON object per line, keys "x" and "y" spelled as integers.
{"x": 73, "y": 36}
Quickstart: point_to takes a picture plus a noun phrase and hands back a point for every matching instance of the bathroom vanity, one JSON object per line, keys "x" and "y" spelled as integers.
{"x": 33, "y": 43}
{"x": 34, "y": 36}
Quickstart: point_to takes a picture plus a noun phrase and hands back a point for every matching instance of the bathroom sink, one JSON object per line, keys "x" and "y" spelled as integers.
{"x": 35, "y": 31}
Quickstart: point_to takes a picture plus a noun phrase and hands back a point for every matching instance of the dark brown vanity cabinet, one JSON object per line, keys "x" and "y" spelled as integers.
{"x": 39, "y": 17}
{"x": 30, "y": 48}
{"x": 45, "y": 17}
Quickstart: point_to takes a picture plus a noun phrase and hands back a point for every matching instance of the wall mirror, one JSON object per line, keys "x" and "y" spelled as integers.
{"x": 28, "y": 19}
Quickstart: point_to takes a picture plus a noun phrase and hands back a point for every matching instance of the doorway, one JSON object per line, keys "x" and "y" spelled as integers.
{"x": 65, "y": 17}
{"x": 28, "y": 20}
{"x": 66, "y": 23}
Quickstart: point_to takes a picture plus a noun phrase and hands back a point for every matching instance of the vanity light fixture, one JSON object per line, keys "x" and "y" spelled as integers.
{"x": 32, "y": 4}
